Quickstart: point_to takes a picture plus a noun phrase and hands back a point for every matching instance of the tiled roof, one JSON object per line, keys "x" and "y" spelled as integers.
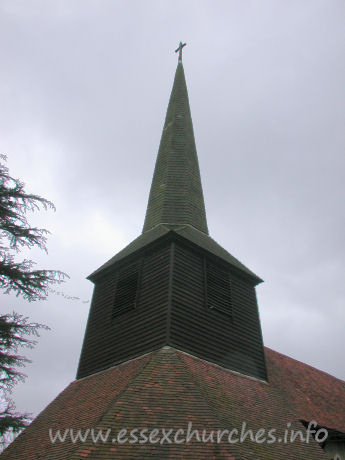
{"x": 187, "y": 232}
{"x": 168, "y": 389}
{"x": 316, "y": 395}
{"x": 176, "y": 195}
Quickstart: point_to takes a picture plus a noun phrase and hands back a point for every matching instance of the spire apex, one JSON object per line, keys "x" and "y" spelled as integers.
{"x": 179, "y": 50}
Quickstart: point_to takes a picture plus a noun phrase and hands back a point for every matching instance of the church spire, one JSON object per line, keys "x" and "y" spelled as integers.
{"x": 176, "y": 196}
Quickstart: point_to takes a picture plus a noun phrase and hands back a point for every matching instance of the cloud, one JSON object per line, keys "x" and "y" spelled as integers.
{"x": 84, "y": 90}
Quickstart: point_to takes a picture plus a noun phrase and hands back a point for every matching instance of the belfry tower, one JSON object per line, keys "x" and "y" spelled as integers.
{"x": 173, "y": 348}
{"x": 174, "y": 285}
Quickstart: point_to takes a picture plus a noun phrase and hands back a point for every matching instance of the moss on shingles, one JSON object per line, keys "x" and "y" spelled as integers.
{"x": 176, "y": 195}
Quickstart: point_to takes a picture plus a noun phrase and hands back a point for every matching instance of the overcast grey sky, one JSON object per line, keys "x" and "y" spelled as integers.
{"x": 84, "y": 86}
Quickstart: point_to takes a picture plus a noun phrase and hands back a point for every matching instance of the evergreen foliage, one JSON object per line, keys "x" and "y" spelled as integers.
{"x": 22, "y": 279}
{"x": 14, "y": 332}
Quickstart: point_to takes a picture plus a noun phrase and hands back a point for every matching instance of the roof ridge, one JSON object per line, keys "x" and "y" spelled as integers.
{"x": 182, "y": 374}
{"x": 222, "y": 424}
{"x": 169, "y": 389}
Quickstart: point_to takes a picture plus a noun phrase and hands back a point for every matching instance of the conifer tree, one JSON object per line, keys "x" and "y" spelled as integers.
{"x": 19, "y": 277}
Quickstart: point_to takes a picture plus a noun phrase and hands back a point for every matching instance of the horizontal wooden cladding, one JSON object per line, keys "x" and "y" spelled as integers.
{"x": 112, "y": 340}
{"x": 217, "y": 344}
{"x": 172, "y": 308}
{"x": 233, "y": 340}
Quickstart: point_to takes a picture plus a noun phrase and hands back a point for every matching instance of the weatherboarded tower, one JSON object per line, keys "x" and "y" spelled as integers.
{"x": 174, "y": 285}
{"x": 173, "y": 353}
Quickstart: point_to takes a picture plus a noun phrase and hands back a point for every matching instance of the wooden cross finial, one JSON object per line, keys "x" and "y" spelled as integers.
{"x": 179, "y": 49}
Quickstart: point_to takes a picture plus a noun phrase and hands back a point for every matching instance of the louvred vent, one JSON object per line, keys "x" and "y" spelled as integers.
{"x": 218, "y": 289}
{"x": 126, "y": 290}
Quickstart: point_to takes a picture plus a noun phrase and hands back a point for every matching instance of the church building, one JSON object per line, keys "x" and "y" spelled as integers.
{"x": 173, "y": 364}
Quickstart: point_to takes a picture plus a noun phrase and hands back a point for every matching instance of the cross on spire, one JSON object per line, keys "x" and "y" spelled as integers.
{"x": 179, "y": 50}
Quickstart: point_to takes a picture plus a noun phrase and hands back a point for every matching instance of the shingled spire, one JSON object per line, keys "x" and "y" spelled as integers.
{"x": 174, "y": 285}
{"x": 172, "y": 316}
{"x": 176, "y": 196}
